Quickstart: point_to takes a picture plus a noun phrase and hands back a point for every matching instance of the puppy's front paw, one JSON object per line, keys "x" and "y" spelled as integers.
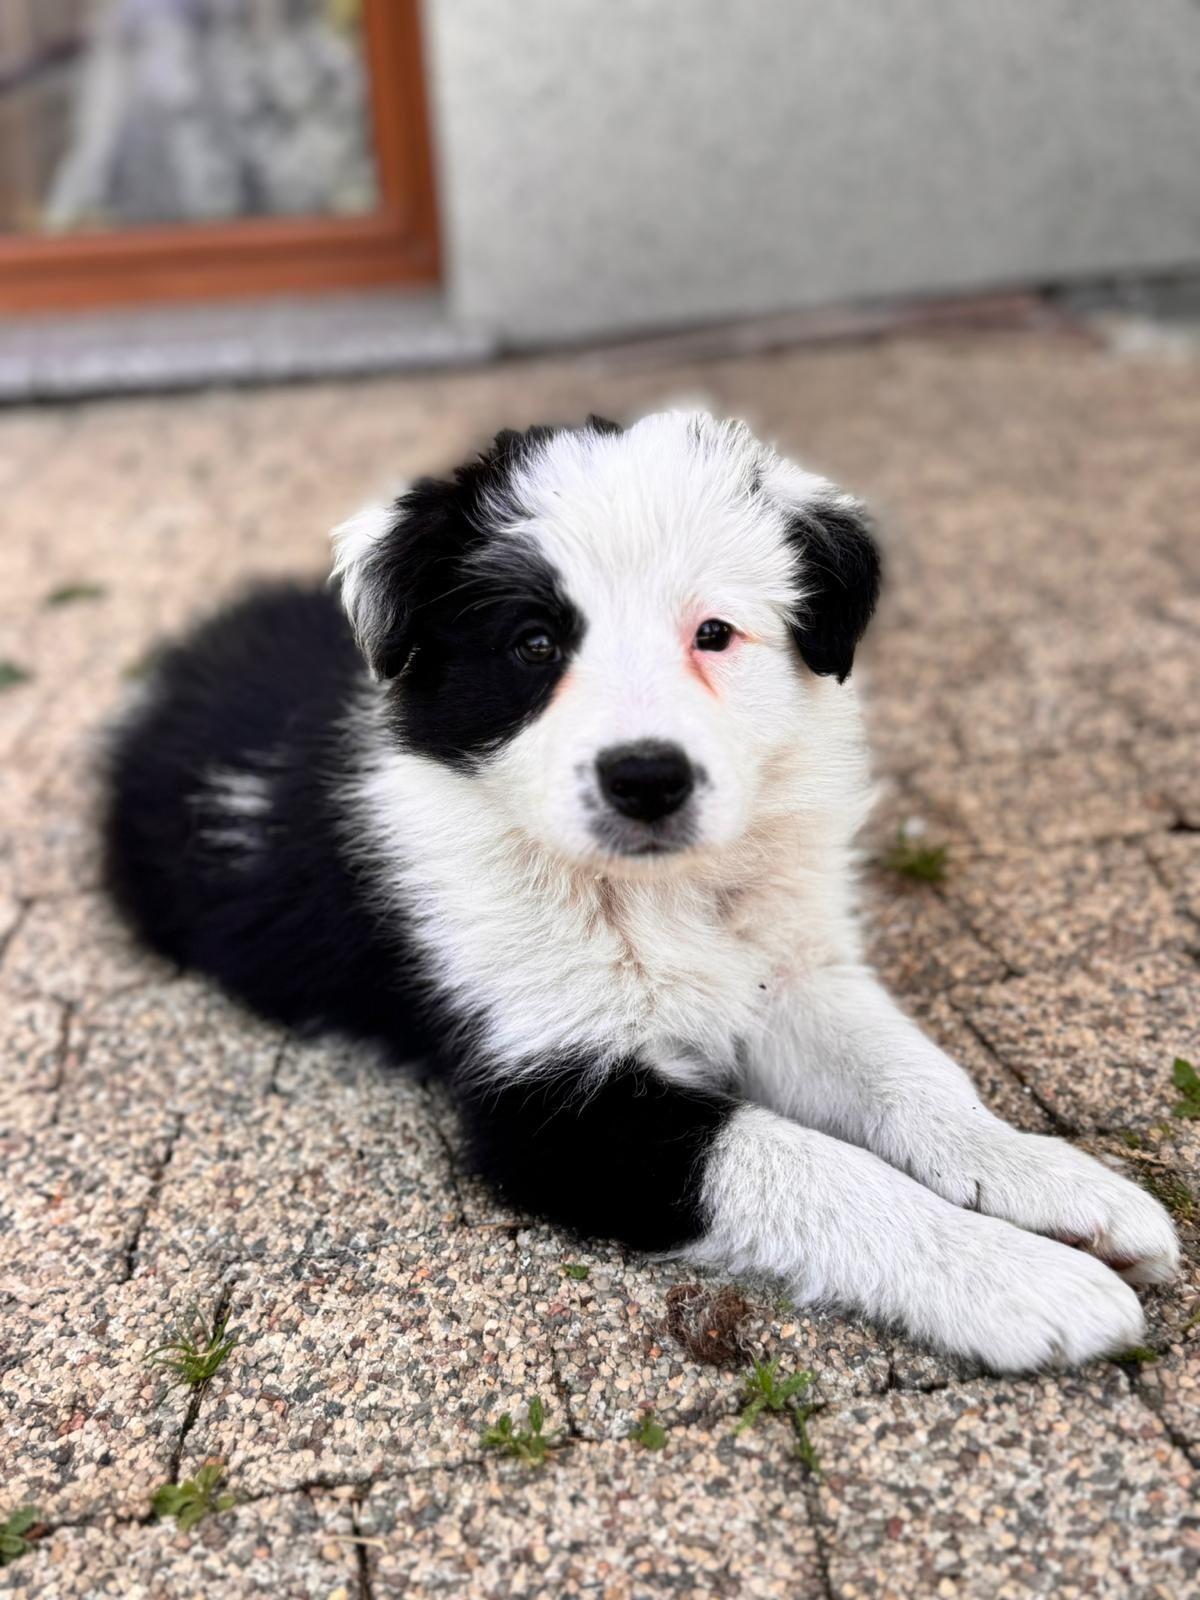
{"x": 1020, "y": 1303}
{"x": 1047, "y": 1186}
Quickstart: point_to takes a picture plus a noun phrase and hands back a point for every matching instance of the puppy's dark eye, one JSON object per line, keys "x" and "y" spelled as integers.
{"x": 537, "y": 648}
{"x": 713, "y": 635}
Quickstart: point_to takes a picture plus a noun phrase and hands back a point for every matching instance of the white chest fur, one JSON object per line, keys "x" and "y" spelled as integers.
{"x": 551, "y": 959}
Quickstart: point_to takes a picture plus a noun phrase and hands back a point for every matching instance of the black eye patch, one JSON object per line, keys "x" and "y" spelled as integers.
{"x": 467, "y": 689}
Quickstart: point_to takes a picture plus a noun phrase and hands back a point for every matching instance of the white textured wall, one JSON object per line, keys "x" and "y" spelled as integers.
{"x": 613, "y": 164}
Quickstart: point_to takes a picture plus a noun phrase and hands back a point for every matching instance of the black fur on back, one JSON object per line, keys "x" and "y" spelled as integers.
{"x": 272, "y": 905}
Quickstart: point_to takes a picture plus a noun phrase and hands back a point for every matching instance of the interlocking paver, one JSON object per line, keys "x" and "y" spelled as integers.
{"x": 1051, "y": 1487}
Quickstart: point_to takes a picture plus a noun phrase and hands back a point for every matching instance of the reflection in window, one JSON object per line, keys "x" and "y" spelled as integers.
{"x": 117, "y": 113}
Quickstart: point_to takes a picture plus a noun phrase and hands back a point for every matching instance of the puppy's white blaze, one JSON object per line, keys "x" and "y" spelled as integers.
{"x": 353, "y": 542}
{"x": 671, "y": 514}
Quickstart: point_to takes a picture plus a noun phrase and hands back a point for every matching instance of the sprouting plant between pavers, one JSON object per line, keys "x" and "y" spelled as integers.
{"x": 68, "y": 593}
{"x": 648, "y": 1432}
{"x": 1187, "y": 1080}
{"x": 196, "y": 1348}
{"x": 11, "y": 674}
{"x": 1138, "y": 1355}
{"x": 910, "y": 858}
{"x": 14, "y": 1533}
{"x": 194, "y": 1499}
{"x": 765, "y": 1390}
{"x": 531, "y": 1445}
{"x": 1170, "y": 1190}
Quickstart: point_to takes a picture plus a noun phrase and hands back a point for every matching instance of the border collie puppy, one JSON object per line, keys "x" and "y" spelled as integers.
{"x": 556, "y": 789}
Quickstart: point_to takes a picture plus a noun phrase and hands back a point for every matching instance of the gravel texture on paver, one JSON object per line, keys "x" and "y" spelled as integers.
{"x": 1031, "y": 687}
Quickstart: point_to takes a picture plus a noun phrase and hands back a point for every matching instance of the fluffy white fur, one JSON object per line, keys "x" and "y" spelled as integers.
{"x": 740, "y": 956}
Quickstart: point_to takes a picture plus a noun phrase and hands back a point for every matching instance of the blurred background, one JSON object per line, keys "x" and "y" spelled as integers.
{"x": 456, "y": 178}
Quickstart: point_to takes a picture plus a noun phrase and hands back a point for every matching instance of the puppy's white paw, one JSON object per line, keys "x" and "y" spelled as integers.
{"x": 1047, "y": 1186}
{"x": 1020, "y": 1303}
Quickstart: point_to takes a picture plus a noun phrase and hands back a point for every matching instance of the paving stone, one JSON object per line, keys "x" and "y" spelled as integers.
{"x": 289, "y": 1547}
{"x": 340, "y": 1154}
{"x": 1007, "y": 717}
{"x": 53, "y": 852}
{"x": 619, "y": 1350}
{"x": 1171, "y": 1386}
{"x": 173, "y": 1047}
{"x": 1156, "y": 682}
{"x": 918, "y": 942}
{"x": 1029, "y": 802}
{"x": 87, "y": 1425}
{"x": 32, "y": 1046}
{"x": 729, "y": 1520}
{"x": 1097, "y": 1043}
{"x": 1055, "y": 1487}
{"x": 72, "y": 1201}
{"x": 1171, "y": 769}
{"x": 1056, "y": 908}
{"x": 1176, "y": 857}
{"x": 76, "y": 949}
{"x": 354, "y": 1366}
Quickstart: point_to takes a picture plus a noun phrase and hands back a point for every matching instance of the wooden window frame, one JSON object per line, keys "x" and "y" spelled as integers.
{"x": 396, "y": 244}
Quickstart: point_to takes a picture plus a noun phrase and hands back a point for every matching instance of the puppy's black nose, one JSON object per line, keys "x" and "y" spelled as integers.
{"x": 646, "y": 780}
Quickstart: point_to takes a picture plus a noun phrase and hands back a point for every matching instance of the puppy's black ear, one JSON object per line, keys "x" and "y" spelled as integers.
{"x": 838, "y": 567}
{"x": 394, "y": 563}
{"x": 391, "y": 562}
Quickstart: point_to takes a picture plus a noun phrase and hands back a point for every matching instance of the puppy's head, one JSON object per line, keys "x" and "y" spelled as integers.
{"x": 630, "y": 641}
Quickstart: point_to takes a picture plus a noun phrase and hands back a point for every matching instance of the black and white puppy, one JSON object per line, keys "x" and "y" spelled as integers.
{"x": 557, "y": 790}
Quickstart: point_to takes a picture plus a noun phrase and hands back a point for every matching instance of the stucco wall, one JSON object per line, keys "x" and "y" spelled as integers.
{"x": 613, "y": 164}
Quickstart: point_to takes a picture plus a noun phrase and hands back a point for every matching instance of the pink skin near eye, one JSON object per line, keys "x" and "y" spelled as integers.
{"x": 704, "y": 663}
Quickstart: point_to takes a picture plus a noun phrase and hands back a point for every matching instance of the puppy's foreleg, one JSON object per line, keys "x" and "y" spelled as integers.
{"x": 839, "y": 1055}
{"x": 635, "y": 1157}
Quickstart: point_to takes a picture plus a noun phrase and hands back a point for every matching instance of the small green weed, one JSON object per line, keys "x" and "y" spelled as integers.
{"x": 68, "y": 593}
{"x": 196, "y": 1348}
{"x": 14, "y": 1534}
{"x": 805, "y": 1450}
{"x": 1187, "y": 1080}
{"x": 194, "y": 1499}
{"x": 651, "y": 1435}
{"x": 11, "y": 674}
{"x": 1138, "y": 1355}
{"x": 531, "y": 1446}
{"x": 1169, "y": 1189}
{"x": 572, "y": 1269}
{"x": 764, "y": 1390}
{"x": 923, "y": 863}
